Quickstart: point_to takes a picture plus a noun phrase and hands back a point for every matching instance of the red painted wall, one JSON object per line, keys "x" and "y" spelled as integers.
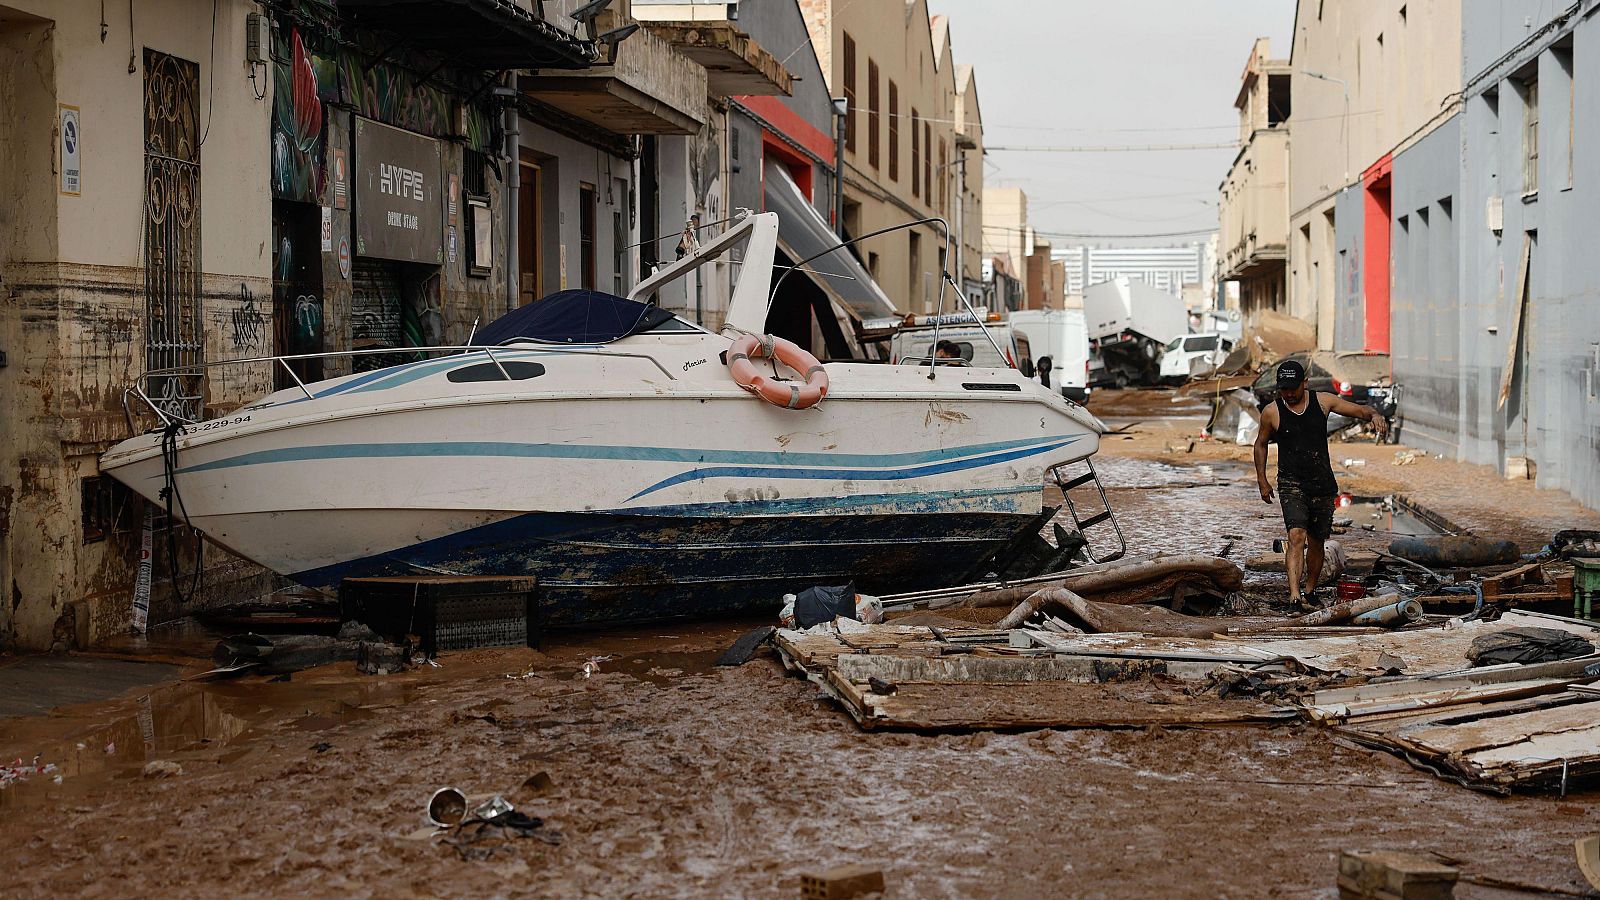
{"x": 1379, "y": 223}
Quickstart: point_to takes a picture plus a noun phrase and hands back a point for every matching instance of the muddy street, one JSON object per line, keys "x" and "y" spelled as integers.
{"x": 664, "y": 775}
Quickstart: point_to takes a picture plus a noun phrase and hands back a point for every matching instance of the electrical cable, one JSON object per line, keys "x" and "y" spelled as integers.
{"x": 169, "y": 466}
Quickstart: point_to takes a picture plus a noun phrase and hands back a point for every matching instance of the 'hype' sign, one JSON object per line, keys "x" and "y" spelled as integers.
{"x": 399, "y": 213}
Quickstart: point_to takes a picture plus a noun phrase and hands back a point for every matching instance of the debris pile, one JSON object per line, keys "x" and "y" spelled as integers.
{"x": 1499, "y": 705}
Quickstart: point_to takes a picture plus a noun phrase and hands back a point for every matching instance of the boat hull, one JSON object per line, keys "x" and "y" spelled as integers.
{"x": 655, "y": 500}
{"x": 623, "y": 567}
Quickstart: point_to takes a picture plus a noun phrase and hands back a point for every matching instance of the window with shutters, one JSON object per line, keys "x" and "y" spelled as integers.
{"x": 944, "y": 178}
{"x": 850, "y": 93}
{"x": 873, "y": 158}
{"x": 916, "y": 153}
{"x": 894, "y": 132}
{"x": 1530, "y": 135}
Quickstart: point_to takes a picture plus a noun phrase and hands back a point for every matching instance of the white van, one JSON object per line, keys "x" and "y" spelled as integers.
{"x": 1191, "y": 353}
{"x": 914, "y": 345}
{"x": 1062, "y": 337}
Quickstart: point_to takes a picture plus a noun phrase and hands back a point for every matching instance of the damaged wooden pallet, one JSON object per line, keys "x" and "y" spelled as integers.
{"x": 907, "y": 678}
{"x": 1546, "y": 741}
{"x": 1497, "y": 728}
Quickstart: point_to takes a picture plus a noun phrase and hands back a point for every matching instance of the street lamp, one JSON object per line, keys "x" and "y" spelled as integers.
{"x": 1344, "y": 123}
{"x": 841, "y": 109}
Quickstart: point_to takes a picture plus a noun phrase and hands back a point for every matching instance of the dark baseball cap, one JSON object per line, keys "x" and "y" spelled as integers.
{"x": 1291, "y": 373}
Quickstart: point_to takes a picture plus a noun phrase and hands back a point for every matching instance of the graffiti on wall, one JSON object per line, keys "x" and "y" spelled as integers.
{"x": 248, "y": 322}
{"x": 299, "y": 140}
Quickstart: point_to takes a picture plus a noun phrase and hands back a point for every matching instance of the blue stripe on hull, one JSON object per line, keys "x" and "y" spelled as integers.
{"x": 614, "y": 567}
{"x": 435, "y": 449}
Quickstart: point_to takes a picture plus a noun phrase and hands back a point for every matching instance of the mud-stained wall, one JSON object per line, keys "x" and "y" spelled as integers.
{"x": 73, "y": 306}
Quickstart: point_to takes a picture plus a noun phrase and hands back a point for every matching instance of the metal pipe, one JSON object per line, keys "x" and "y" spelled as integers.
{"x": 841, "y": 109}
{"x": 513, "y": 194}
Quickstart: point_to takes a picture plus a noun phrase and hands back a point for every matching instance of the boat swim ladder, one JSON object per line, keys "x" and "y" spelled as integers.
{"x": 1096, "y": 505}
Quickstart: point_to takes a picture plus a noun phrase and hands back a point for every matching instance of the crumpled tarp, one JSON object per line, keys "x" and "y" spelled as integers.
{"x": 1527, "y": 645}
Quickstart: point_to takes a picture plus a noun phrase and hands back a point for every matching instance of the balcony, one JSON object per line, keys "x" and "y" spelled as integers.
{"x": 651, "y": 89}
{"x": 1254, "y": 208}
{"x": 486, "y": 34}
{"x": 736, "y": 66}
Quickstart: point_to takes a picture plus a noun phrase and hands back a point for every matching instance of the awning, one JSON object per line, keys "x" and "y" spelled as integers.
{"x": 804, "y": 233}
{"x": 490, "y": 34}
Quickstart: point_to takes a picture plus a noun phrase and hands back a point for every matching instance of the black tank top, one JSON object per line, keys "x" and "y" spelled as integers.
{"x": 1303, "y": 448}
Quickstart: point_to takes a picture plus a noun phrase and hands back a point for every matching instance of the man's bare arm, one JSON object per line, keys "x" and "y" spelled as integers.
{"x": 1343, "y": 407}
{"x": 1269, "y": 425}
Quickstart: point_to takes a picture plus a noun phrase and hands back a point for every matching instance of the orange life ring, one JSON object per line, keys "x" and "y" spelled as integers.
{"x": 786, "y": 394}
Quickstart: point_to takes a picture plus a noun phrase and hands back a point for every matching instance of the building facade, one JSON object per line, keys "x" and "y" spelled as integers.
{"x": 1253, "y": 206}
{"x": 1163, "y": 268}
{"x": 905, "y": 155}
{"x": 1369, "y": 78}
{"x": 1521, "y": 341}
{"x": 288, "y": 179}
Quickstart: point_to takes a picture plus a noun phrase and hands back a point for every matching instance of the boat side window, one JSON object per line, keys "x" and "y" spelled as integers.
{"x": 519, "y": 371}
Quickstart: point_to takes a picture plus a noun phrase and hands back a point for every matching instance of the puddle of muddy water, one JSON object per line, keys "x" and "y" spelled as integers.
{"x": 663, "y": 667}
{"x": 1382, "y": 515}
{"x": 176, "y": 718}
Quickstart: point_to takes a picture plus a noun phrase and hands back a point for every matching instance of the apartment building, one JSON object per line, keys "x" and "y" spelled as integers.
{"x": 912, "y": 139}
{"x": 1253, "y": 204}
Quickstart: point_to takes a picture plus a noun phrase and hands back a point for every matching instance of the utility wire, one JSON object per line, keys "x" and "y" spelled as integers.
{"x": 1127, "y": 148}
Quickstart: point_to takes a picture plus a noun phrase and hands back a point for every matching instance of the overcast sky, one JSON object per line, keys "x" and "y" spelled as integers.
{"x": 1112, "y": 72}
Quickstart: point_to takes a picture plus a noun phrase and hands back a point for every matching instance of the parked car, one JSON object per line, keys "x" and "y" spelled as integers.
{"x": 1183, "y": 354}
{"x": 1363, "y": 378}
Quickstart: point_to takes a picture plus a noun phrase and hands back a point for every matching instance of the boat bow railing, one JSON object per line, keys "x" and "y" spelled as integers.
{"x": 169, "y": 409}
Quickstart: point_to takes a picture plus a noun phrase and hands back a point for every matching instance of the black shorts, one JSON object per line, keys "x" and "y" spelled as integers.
{"x": 1300, "y": 510}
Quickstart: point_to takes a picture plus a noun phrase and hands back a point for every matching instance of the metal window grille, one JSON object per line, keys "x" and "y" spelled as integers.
{"x": 173, "y": 337}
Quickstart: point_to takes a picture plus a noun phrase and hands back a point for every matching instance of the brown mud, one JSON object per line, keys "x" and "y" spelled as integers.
{"x": 670, "y": 777}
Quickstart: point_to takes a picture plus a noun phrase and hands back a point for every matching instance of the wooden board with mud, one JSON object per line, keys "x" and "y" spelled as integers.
{"x": 929, "y": 692}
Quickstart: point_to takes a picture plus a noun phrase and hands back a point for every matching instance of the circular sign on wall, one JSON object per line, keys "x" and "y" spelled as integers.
{"x": 344, "y": 257}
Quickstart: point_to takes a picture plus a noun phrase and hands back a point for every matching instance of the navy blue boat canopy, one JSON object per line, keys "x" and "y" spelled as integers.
{"x": 573, "y": 317}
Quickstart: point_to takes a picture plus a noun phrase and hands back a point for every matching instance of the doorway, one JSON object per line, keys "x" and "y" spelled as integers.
{"x": 1375, "y": 281}
{"x": 296, "y": 291}
{"x": 530, "y": 259}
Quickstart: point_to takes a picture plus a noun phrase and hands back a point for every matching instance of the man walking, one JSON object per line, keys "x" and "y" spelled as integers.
{"x": 1298, "y": 420}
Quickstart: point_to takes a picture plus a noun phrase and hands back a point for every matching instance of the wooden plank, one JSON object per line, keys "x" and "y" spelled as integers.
{"x": 1516, "y": 324}
{"x": 1505, "y": 731}
{"x": 938, "y": 707}
{"x": 1000, "y": 670}
{"x": 1574, "y": 747}
{"x": 1495, "y": 585}
{"x": 1435, "y": 699}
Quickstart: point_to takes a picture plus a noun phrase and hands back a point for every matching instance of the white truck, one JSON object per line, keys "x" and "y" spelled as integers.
{"x": 1130, "y": 323}
{"x": 1060, "y": 336}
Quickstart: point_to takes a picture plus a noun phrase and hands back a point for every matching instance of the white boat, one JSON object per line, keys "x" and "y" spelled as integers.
{"x": 632, "y": 477}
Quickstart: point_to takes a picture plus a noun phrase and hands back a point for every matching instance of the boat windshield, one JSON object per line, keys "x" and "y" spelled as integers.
{"x": 579, "y": 317}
